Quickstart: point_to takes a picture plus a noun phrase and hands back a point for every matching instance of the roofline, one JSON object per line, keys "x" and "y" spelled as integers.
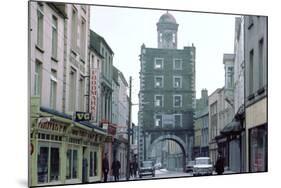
{"x": 104, "y": 41}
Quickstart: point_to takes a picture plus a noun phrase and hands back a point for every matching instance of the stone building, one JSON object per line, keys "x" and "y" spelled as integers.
{"x": 255, "y": 29}
{"x": 167, "y": 91}
{"x": 106, "y": 91}
{"x": 64, "y": 149}
{"x": 120, "y": 108}
{"x": 201, "y": 125}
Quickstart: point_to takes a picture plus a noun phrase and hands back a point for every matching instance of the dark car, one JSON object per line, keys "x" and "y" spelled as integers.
{"x": 146, "y": 169}
{"x": 189, "y": 166}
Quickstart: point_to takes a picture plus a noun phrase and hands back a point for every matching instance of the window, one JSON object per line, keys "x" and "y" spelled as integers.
{"x": 83, "y": 38}
{"x": 159, "y": 101}
{"x": 258, "y": 147}
{"x": 158, "y": 80}
{"x": 74, "y": 29}
{"x": 250, "y": 21}
{"x": 72, "y": 90}
{"x": 48, "y": 164}
{"x": 251, "y": 72}
{"x": 177, "y": 64}
{"x": 93, "y": 164}
{"x": 54, "y": 37}
{"x": 160, "y": 37}
{"x": 53, "y": 90}
{"x": 158, "y": 120}
{"x": 178, "y": 120}
{"x": 177, "y": 100}
{"x": 40, "y": 29}
{"x": 71, "y": 164}
{"x": 230, "y": 73}
{"x": 37, "y": 79}
{"x": 81, "y": 90}
{"x": 261, "y": 61}
{"x": 158, "y": 63}
{"x": 174, "y": 38}
{"x": 177, "y": 82}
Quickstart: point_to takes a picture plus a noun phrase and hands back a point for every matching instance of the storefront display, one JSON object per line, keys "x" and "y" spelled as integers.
{"x": 258, "y": 148}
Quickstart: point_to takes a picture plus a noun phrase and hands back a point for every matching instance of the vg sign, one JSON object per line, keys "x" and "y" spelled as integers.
{"x": 81, "y": 116}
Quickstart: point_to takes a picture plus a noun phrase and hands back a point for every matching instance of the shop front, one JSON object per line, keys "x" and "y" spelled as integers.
{"x": 258, "y": 148}
{"x": 63, "y": 151}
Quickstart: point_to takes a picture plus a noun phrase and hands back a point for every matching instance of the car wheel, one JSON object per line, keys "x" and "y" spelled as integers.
{"x": 140, "y": 176}
{"x": 153, "y": 175}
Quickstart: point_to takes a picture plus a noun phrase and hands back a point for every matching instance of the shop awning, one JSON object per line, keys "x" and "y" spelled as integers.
{"x": 83, "y": 124}
{"x": 233, "y": 127}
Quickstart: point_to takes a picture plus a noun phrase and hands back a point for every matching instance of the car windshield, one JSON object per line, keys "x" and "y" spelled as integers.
{"x": 190, "y": 163}
{"x": 147, "y": 164}
{"x": 203, "y": 161}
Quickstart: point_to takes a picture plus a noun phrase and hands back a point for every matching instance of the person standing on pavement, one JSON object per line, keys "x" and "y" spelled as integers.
{"x": 219, "y": 166}
{"x": 115, "y": 167}
{"x": 105, "y": 167}
{"x": 135, "y": 167}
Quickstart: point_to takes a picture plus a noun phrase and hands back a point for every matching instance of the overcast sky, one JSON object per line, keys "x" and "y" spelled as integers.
{"x": 126, "y": 29}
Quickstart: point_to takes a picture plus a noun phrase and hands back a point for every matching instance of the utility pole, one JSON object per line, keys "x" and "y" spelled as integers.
{"x": 129, "y": 129}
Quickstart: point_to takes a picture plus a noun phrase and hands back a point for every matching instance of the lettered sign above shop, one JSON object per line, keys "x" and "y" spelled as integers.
{"x": 51, "y": 125}
{"x": 82, "y": 116}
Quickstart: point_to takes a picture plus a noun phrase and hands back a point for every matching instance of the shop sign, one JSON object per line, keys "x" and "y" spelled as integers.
{"x": 110, "y": 128}
{"x": 94, "y": 93}
{"x": 82, "y": 116}
{"x": 82, "y": 133}
{"x": 51, "y": 125}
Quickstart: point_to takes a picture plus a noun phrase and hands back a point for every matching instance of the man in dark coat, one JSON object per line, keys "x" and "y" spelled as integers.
{"x": 105, "y": 167}
{"x": 115, "y": 167}
{"x": 219, "y": 166}
{"x": 135, "y": 166}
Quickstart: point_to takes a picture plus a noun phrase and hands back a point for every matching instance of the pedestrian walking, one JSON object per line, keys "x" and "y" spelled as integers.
{"x": 105, "y": 167}
{"x": 135, "y": 168}
{"x": 219, "y": 166}
{"x": 115, "y": 167}
{"x": 131, "y": 169}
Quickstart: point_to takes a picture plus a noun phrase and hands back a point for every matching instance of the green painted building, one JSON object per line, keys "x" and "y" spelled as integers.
{"x": 167, "y": 91}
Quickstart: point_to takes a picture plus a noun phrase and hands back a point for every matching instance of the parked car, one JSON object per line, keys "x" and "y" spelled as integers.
{"x": 158, "y": 166}
{"x": 203, "y": 166}
{"x": 146, "y": 168}
{"x": 189, "y": 166}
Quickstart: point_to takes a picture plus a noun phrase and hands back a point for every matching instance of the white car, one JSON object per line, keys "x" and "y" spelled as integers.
{"x": 202, "y": 166}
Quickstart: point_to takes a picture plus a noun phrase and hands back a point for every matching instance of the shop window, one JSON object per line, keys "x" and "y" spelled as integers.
{"x": 42, "y": 165}
{"x": 71, "y": 164}
{"x": 48, "y": 164}
{"x": 54, "y": 164}
{"x": 93, "y": 164}
{"x": 258, "y": 149}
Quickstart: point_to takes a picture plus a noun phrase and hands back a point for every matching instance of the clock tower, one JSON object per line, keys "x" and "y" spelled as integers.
{"x": 167, "y": 29}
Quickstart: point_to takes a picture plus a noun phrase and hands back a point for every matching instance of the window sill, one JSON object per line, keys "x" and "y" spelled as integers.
{"x": 82, "y": 60}
{"x": 39, "y": 48}
{"x": 261, "y": 91}
{"x": 54, "y": 59}
{"x": 73, "y": 52}
{"x": 251, "y": 97}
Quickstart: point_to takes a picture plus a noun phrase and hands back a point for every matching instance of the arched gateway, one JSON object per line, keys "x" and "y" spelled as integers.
{"x": 176, "y": 139}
